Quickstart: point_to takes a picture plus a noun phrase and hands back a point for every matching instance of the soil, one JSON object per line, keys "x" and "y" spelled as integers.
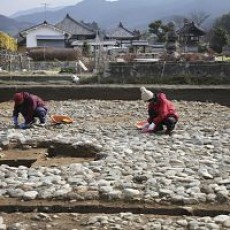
{"x": 66, "y": 221}
{"x": 38, "y": 157}
{"x": 61, "y": 215}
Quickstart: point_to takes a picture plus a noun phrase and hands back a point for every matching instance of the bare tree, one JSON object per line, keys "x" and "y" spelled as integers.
{"x": 199, "y": 17}
{"x": 178, "y": 20}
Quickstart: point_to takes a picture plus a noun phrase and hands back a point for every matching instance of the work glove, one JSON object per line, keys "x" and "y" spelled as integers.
{"x": 15, "y": 119}
{"x": 148, "y": 128}
{"x": 23, "y": 126}
{"x": 151, "y": 127}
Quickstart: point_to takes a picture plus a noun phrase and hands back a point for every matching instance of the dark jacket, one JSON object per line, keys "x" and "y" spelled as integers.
{"x": 27, "y": 108}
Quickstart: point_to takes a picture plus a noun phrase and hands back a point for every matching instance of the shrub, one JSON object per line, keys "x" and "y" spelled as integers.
{"x": 68, "y": 70}
{"x": 52, "y": 54}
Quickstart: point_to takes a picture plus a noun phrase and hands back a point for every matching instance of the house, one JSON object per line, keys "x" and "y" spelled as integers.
{"x": 137, "y": 46}
{"x": 95, "y": 44}
{"x": 60, "y": 35}
{"x": 189, "y": 36}
{"x": 44, "y": 35}
{"x": 71, "y": 33}
{"x": 122, "y": 35}
{"x": 79, "y": 30}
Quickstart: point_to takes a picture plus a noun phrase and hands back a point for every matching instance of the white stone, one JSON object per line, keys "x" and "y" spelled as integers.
{"x": 130, "y": 193}
{"x": 30, "y": 195}
{"x": 182, "y": 222}
{"x": 221, "y": 218}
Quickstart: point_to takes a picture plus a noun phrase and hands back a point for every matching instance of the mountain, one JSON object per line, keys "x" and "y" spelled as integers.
{"x": 12, "y": 26}
{"x": 34, "y": 10}
{"x": 134, "y": 14}
{"x": 106, "y": 14}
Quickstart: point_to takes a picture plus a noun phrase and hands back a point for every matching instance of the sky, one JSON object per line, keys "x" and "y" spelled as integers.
{"x": 9, "y": 7}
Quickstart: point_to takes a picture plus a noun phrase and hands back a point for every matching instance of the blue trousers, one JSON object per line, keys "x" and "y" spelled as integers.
{"x": 41, "y": 113}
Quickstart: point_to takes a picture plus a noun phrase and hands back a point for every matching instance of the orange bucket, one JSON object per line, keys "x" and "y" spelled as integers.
{"x": 58, "y": 119}
{"x": 140, "y": 124}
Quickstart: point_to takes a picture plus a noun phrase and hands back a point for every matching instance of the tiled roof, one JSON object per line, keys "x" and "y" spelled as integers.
{"x": 94, "y": 42}
{"x": 74, "y": 27}
{"x": 136, "y": 43}
{"x": 120, "y": 32}
{"x": 191, "y": 28}
{"x": 44, "y": 24}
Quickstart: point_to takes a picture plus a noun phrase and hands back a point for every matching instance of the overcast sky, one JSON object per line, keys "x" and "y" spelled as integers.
{"x": 9, "y": 7}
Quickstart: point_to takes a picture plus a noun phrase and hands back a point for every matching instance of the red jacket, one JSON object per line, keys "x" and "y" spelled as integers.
{"x": 28, "y": 107}
{"x": 162, "y": 109}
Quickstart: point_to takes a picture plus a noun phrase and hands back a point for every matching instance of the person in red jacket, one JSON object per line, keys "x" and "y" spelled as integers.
{"x": 161, "y": 112}
{"x": 30, "y": 106}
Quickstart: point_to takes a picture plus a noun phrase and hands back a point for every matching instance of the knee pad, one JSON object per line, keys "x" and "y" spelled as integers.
{"x": 172, "y": 120}
{"x": 170, "y": 123}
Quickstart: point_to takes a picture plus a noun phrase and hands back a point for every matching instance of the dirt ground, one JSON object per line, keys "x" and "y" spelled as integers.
{"x": 69, "y": 221}
{"x": 39, "y": 156}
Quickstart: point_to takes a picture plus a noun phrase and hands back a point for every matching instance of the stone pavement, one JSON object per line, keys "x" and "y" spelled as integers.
{"x": 190, "y": 168}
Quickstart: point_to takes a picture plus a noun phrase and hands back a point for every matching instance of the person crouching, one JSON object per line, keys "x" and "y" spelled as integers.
{"x": 161, "y": 112}
{"x": 30, "y": 106}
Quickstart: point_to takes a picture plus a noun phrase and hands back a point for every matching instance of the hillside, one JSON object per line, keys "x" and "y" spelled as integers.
{"x": 11, "y": 26}
{"x": 34, "y": 10}
{"x": 135, "y": 14}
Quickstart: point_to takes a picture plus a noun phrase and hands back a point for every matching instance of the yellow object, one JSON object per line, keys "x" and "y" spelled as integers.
{"x": 7, "y": 42}
{"x": 61, "y": 119}
{"x": 140, "y": 124}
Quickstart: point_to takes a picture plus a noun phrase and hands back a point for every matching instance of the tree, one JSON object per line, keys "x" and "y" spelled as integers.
{"x": 159, "y": 29}
{"x": 199, "y": 17}
{"x": 219, "y": 39}
{"x": 221, "y": 33}
{"x": 224, "y": 22}
{"x": 7, "y": 42}
{"x": 178, "y": 20}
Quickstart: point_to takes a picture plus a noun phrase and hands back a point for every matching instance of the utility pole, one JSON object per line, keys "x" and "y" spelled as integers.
{"x": 45, "y": 5}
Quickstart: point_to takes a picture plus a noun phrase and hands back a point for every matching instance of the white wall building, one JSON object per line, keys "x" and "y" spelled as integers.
{"x": 45, "y": 35}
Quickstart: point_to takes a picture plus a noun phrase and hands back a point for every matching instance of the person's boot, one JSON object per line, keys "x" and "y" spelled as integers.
{"x": 170, "y": 129}
{"x": 159, "y": 128}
